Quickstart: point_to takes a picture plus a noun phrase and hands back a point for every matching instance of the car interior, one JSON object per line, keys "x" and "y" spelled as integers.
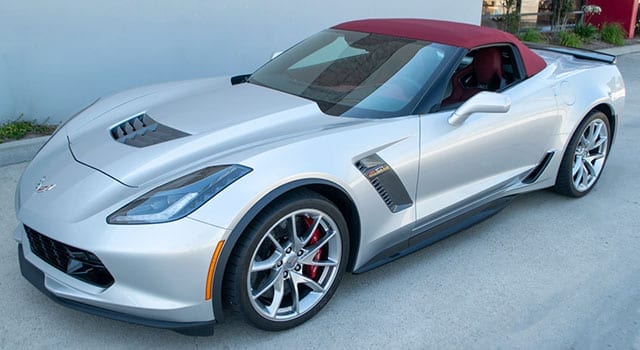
{"x": 486, "y": 69}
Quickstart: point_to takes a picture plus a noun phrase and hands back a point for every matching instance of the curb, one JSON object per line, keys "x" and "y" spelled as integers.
{"x": 20, "y": 151}
{"x": 622, "y": 50}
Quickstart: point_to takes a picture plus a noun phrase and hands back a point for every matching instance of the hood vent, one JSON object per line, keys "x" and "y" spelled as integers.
{"x": 143, "y": 131}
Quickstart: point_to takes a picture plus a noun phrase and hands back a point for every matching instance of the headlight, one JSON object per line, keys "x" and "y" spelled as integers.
{"x": 179, "y": 197}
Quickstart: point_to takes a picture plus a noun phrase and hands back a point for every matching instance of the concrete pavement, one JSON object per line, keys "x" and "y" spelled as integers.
{"x": 547, "y": 272}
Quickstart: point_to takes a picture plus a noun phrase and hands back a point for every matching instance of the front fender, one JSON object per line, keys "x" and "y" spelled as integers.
{"x": 329, "y": 159}
{"x": 241, "y": 226}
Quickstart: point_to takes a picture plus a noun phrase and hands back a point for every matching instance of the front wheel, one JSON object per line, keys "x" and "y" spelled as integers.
{"x": 585, "y": 156}
{"x": 288, "y": 264}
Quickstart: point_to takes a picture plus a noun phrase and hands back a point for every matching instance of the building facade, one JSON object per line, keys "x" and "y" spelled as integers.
{"x": 544, "y": 14}
{"x": 57, "y": 56}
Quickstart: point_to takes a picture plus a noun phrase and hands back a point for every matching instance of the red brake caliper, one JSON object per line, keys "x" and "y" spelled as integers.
{"x": 313, "y": 272}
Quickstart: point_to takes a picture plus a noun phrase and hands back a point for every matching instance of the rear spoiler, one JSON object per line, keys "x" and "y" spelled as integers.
{"x": 577, "y": 53}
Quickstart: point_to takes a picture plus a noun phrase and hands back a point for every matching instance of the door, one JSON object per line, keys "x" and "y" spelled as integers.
{"x": 461, "y": 163}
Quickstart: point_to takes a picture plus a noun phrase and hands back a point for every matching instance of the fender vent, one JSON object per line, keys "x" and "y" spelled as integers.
{"x": 143, "y": 131}
{"x": 385, "y": 181}
{"x": 539, "y": 169}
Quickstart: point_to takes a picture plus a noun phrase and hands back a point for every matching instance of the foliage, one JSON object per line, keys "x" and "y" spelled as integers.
{"x": 586, "y": 32}
{"x": 561, "y": 11}
{"x": 613, "y": 33}
{"x": 589, "y": 11}
{"x": 531, "y": 35}
{"x": 17, "y": 129}
{"x": 510, "y": 20}
{"x": 569, "y": 39}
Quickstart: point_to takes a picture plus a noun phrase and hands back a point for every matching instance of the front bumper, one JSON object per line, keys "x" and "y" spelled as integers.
{"x": 37, "y": 278}
{"x": 158, "y": 283}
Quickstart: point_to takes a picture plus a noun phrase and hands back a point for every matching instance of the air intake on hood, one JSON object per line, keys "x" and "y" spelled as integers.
{"x": 142, "y": 131}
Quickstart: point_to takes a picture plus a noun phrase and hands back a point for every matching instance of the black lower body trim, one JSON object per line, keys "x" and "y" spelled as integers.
{"x": 36, "y": 277}
{"x": 434, "y": 234}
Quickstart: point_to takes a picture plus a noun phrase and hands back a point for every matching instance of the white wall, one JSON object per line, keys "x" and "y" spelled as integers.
{"x": 57, "y": 56}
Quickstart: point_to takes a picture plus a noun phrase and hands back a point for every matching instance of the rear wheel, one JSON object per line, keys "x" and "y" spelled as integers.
{"x": 585, "y": 156}
{"x": 289, "y": 262}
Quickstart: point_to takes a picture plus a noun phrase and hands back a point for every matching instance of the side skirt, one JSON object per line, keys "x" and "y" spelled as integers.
{"x": 431, "y": 235}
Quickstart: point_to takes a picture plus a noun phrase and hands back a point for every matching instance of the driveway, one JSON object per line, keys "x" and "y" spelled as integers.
{"x": 546, "y": 272}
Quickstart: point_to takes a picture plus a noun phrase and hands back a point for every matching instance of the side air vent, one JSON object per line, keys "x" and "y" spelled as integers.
{"x": 143, "y": 131}
{"x": 385, "y": 181}
{"x": 539, "y": 169}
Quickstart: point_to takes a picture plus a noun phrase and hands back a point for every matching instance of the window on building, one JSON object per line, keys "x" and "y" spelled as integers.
{"x": 517, "y": 15}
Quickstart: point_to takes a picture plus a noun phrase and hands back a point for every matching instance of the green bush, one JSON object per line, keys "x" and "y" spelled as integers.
{"x": 17, "y": 129}
{"x": 510, "y": 20}
{"x": 613, "y": 33}
{"x": 569, "y": 39}
{"x": 531, "y": 35}
{"x": 586, "y": 32}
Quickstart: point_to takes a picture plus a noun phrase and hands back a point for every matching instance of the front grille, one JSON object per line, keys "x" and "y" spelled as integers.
{"x": 142, "y": 131}
{"x": 75, "y": 262}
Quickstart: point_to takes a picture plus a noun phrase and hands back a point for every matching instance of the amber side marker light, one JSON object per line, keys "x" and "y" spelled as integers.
{"x": 212, "y": 270}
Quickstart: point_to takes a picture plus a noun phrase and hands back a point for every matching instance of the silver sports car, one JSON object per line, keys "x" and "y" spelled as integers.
{"x": 167, "y": 204}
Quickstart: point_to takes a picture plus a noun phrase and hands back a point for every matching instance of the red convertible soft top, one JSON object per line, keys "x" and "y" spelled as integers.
{"x": 463, "y": 35}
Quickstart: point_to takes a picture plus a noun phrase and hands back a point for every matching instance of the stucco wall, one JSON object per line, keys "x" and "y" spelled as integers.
{"x": 57, "y": 56}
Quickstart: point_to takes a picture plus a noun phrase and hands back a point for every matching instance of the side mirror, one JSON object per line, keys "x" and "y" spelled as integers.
{"x": 483, "y": 102}
{"x": 276, "y": 54}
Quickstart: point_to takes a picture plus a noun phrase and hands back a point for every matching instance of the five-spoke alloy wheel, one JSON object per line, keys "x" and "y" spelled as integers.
{"x": 585, "y": 156}
{"x": 289, "y": 262}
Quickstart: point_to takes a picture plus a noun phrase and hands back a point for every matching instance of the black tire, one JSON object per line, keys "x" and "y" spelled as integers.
{"x": 566, "y": 181}
{"x": 256, "y": 247}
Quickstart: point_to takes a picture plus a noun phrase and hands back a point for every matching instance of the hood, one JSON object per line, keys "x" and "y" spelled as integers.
{"x": 192, "y": 127}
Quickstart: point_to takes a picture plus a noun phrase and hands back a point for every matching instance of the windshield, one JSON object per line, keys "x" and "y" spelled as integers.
{"x": 356, "y": 74}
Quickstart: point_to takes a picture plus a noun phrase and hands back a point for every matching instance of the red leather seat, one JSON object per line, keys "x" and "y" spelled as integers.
{"x": 483, "y": 74}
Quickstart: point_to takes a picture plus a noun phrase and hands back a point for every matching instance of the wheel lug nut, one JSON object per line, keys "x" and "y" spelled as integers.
{"x": 285, "y": 274}
{"x": 279, "y": 263}
{"x": 300, "y": 253}
{"x": 297, "y": 268}
{"x": 288, "y": 250}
